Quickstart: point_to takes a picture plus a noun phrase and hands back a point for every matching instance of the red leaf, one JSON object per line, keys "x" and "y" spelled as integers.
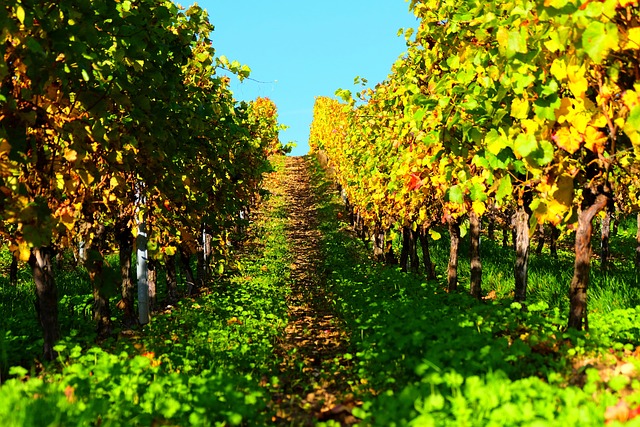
{"x": 415, "y": 182}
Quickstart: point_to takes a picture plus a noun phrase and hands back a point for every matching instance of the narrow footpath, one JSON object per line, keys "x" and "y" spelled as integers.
{"x": 314, "y": 386}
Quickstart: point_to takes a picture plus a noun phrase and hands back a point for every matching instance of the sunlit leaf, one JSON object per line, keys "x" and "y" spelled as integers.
{"x": 595, "y": 140}
{"x": 599, "y": 38}
{"x": 525, "y": 144}
{"x": 568, "y": 139}
{"x": 20, "y": 14}
{"x": 479, "y": 207}
{"x": 456, "y": 194}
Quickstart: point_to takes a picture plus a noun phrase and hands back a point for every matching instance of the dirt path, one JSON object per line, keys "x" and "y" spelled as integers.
{"x": 314, "y": 386}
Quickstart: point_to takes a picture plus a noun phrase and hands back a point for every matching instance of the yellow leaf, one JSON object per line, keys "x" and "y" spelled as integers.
{"x": 551, "y": 211}
{"x": 598, "y": 121}
{"x": 5, "y": 147}
{"x": 20, "y": 14}
{"x": 580, "y": 121}
{"x": 22, "y": 251}
{"x": 633, "y": 38}
{"x": 519, "y": 108}
{"x": 113, "y": 182}
{"x": 559, "y": 69}
{"x": 434, "y": 234}
{"x": 575, "y": 112}
{"x": 67, "y": 219}
{"x": 422, "y": 214}
{"x": 564, "y": 191}
{"x": 631, "y": 99}
{"x": 595, "y": 140}
{"x": 568, "y": 139}
{"x": 479, "y": 207}
{"x": 70, "y": 155}
{"x": 577, "y": 81}
{"x": 625, "y": 3}
{"x": 564, "y": 110}
{"x": 87, "y": 178}
{"x": 59, "y": 181}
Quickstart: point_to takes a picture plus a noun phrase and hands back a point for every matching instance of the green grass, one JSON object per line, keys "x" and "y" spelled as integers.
{"x": 429, "y": 358}
{"x": 549, "y": 278}
{"x": 419, "y": 356}
{"x": 208, "y": 360}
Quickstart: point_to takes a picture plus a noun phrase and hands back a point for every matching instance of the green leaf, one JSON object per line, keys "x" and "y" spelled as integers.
{"x": 344, "y": 94}
{"x": 18, "y": 371}
{"x": 557, "y": 4}
{"x": 598, "y": 39}
{"x": 476, "y": 193}
{"x": 454, "y": 62}
{"x": 496, "y": 141}
{"x": 525, "y": 144}
{"x": 419, "y": 115}
{"x": 543, "y": 155}
{"x": 464, "y": 228}
{"x": 505, "y": 188}
{"x": 545, "y": 107}
{"x": 512, "y": 42}
{"x": 170, "y": 407}
{"x": 633, "y": 119}
{"x": 456, "y": 195}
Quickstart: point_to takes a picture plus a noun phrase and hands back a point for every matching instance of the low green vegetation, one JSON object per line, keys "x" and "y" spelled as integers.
{"x": 430, "y": 358}
{"x": 207, "y": 360}
{"x": 419, "y": 356}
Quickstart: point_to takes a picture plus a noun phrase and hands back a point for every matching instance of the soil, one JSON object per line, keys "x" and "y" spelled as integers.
{"x": 314, "y": 371}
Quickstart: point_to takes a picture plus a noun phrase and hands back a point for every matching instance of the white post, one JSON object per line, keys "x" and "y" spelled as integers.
{"x": 141, "y": 267}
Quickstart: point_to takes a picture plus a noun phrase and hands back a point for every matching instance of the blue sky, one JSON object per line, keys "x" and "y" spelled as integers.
{"x": 300, "y": 50}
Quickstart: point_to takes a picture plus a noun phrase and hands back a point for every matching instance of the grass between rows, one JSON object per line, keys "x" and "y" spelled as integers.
{"x": 208, "y": 360}
{"x": 422, "y": 356}
{"x": 430, "y": 358}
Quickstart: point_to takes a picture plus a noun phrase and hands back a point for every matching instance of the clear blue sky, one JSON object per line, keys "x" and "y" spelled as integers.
{"x": 307, "y": 49}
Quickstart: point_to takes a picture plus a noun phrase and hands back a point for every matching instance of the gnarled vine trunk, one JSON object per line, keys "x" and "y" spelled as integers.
{"x": 541, "y": 238}
{"x": 605, "y": 234}
{"x": 389, "y": 254}
{"x": 452, "y": 271}
{"x": 429, "y": 267}
{"x": 553, "y": 241}
{"x": 591, "y": 205}
{"x": 200, "y": 268}
{"x": 172, "y": 279}
{"x": 505, "y": 237}
{"x": 415, "y": 261}
{"x": 46, "y": 298}
{"x": 186, "y": 266}
{"x": 101, "y": 309}
{"x": 152, "y": 279}
{"x": 521, "y": 220}
{"x": 95, "y": 267}
{"x": 491, "y": 226}
{"x": 125, "y": 247}
{"x": 378, "y": 244}
{"x": 406, "y": 249}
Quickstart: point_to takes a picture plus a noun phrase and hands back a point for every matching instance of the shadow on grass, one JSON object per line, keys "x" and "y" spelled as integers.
{"x": 208, "y": 360}
{"x": 427, "y": 357}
